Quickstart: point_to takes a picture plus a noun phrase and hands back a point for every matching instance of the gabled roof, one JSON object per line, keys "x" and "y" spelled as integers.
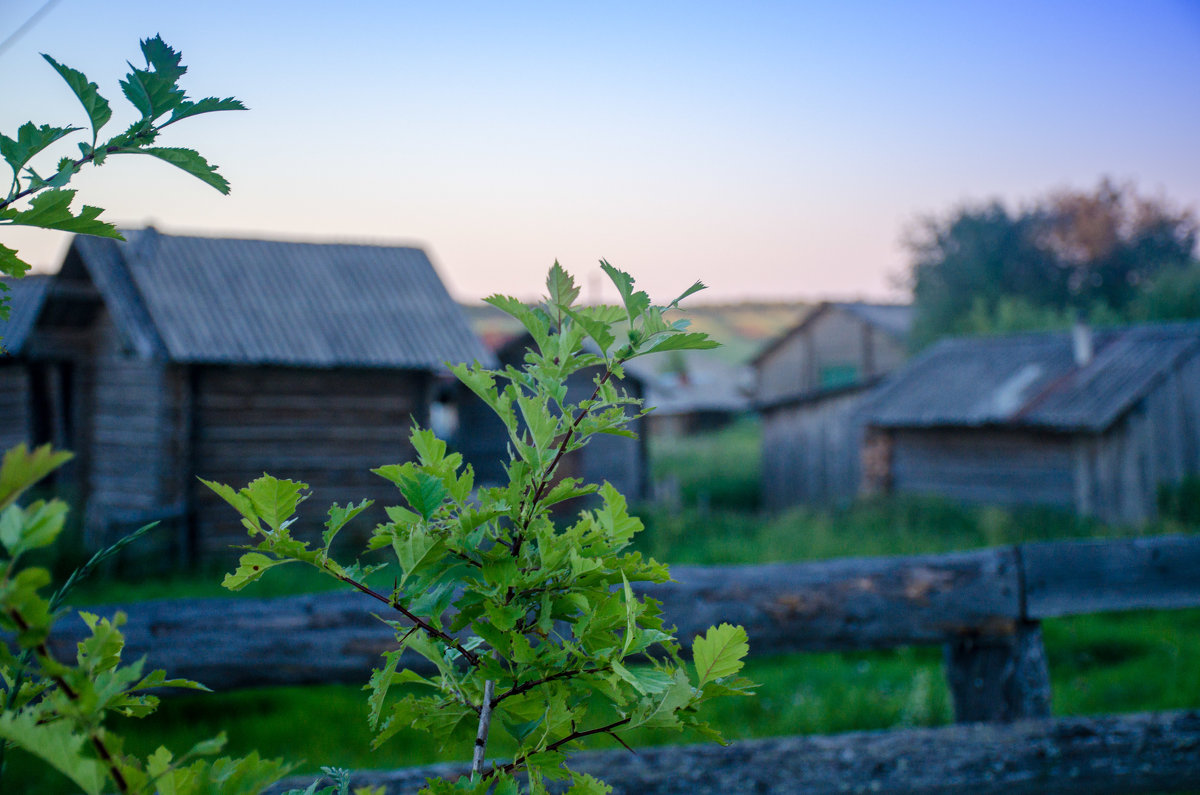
{"x": 1031, "y": 380}
{"x": 895, "y": 320}
{"x": 222, "y": 300}
{"x": 26, "y": 296}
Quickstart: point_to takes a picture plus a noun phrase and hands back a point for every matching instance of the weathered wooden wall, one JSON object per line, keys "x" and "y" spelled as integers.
{"x": 129, "y": 433}
{"x": 810, "y": 451}
{"x": 327, "y": 428}
{"x": 1000, "y": 467}
{"x": 16, "y": 403}
{"x": 834, "y": 338}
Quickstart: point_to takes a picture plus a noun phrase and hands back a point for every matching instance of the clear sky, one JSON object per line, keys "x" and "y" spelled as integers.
{"x": 773, "y": 149}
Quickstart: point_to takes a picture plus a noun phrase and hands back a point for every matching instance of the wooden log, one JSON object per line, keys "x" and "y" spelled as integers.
{"x": 332, "y": 637}
{"x": 1146, "y": 752}
{"x": 1078, "y": 577}
{"x": 999, "y": 677}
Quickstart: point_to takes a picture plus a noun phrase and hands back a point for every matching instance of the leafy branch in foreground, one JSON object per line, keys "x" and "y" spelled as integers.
{"x": 532, "y": 627}
{"x": 56, "y": 709}
{"x": 155, "y": 93}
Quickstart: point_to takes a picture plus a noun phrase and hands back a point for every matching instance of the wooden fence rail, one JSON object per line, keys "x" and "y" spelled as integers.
{"x": 983, "y": 606}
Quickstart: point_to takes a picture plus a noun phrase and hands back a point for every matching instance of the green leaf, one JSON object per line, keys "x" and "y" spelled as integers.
{"x": 56, "y": 744}
{"x": 88, "y": 93}
{"x": 30, "y": 140}
{"x": 275, "y": 500}
{"x": 721, "y": 652}
{"x": 206, "y": 105}
{"x": 586, "y": 784}
{"x": 423, "y": 492}
{"x": 338, "y": 517}
{"x": 11, "y": 265}
{"x": 561, "y": 287}
{"x": 35, "y": 527}
{"x": 635, "y": 302}
{"x": 239, "y": 501}
{"x": 51, "y": 209}
{"x": 154, "y": 90}
{"x": 21, "y": 469}
{"x": 251, "y": 566}
{"x": 686, "y": 341}
{"x": 416, "y": 549}
{"x": 695, "y": 288}
{"x": 189, "y": 160}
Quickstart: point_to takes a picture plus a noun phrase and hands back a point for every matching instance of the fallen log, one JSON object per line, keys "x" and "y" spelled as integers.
{"x": 1138, "y": 753}
{"x": 861, "y": 603}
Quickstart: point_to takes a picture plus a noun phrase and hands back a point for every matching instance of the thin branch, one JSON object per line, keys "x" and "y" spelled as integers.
{"x": 454, "y": 643}
{"x": 525, "y": 688}
{"x": 485, "y": 725}
{"x": 554, "y": 746}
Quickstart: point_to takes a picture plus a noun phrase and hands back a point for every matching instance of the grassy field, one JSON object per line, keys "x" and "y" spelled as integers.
{"x": 1098, "y": 664}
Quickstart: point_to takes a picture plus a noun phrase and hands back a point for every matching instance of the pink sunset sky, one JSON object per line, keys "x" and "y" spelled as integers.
{"x": 776, "y": 150}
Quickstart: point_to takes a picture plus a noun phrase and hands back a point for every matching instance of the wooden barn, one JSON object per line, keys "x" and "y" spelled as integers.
{"x": 623, "y": 462}
{"x": 25, "y": 407}
{"x": 187, "y": 357}
{"x": 808, "y": 385}
{"x": 1089, "y": 421}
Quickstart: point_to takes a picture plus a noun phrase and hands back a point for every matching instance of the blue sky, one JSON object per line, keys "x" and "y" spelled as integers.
{"x": 776, "y": 150}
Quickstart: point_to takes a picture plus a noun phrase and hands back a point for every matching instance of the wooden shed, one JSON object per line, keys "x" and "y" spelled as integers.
{"x": 808, "y": 385}
{"x": 25, "y": 407}
{"x": 191, "y": 357}
{"x": 1088, "y": 421}
{"x": 623, "y": 462}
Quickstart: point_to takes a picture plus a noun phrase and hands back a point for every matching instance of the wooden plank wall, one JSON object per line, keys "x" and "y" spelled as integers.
{"x": 16, "y": 403}
{"x": 811, "y": 452}
{"x": 985, "y": 466}
{"x": 128, "y": 434}
{"x": 327, "y": 428}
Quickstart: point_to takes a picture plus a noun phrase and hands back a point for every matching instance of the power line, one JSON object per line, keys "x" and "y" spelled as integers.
{"x": 29, "y": 23}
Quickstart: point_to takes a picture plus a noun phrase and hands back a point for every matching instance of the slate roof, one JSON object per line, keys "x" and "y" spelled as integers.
{"x": 1031, "y": 380}
{"x": 25, "y": 298}
{"x": 259, "y": 302}
{"x": 894, "y": 320}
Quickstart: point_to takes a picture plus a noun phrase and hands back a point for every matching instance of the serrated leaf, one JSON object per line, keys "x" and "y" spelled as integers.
{"x": 51, "y": 209}
{"x": 21, "y": 469}
{"x": 636, "y": 302}
{"x": 423, "y": 492}
{"x": 239, "y": 501}
{"x": 720, "y": 652}
{"x": 251, "y": 566}
{"x": 57, "y": 745}
{"x": 686, "y": 341}
{"x": 189, "y": 160}
{"x": 275, "y": 499}
{"x": 94, "y": 105}
{"x": 695, "y": 288}
{"x": 586, "y": 784}
{"x": 154, "y": 90}
{"x": 561, "y": 287}
{"x": 30, "y": 140}
{"x": 338, "y": 517}
{"x": 206, "y": 105}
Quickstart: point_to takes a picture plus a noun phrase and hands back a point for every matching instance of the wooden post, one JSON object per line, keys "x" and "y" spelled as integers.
{"x": 1000, "y": 677}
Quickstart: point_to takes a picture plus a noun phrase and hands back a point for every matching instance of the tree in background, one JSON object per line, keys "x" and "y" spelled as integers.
{"x": 984, "y": 269}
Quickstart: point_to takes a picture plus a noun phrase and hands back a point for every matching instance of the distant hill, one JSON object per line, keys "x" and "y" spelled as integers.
{"x": 741, "y": 328}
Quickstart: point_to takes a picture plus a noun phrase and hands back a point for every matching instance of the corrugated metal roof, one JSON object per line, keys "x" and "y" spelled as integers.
{"x": 25, "y": 301}
{"x": 221, "y": 300}
{"x": 1032, "y": 379}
